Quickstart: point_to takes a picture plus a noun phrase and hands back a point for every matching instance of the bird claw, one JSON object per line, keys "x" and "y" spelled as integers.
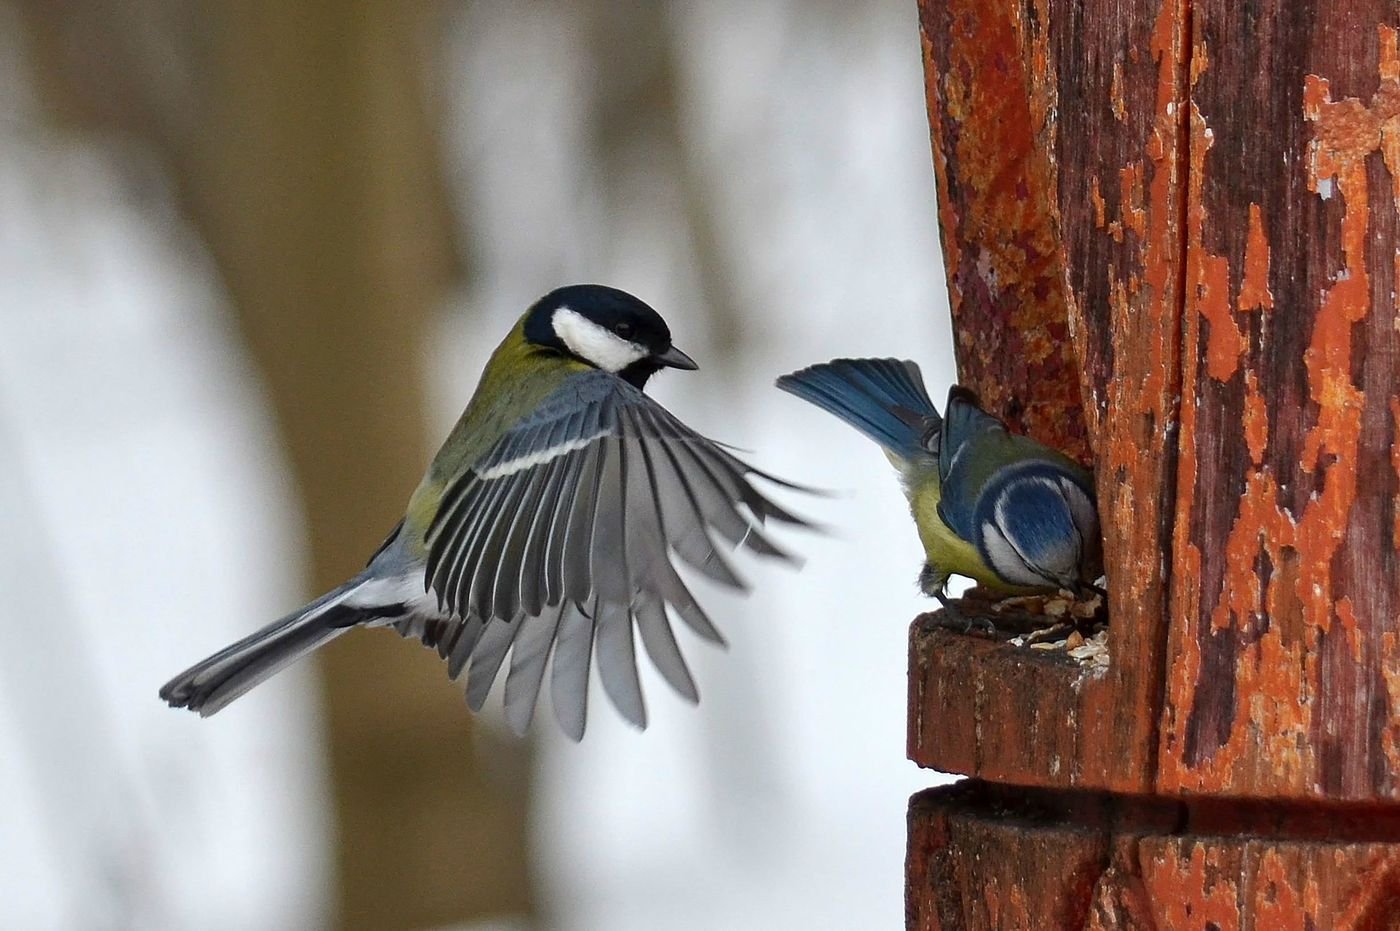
{"x": 983, "y": 625}
{"x": 954, "y": 617}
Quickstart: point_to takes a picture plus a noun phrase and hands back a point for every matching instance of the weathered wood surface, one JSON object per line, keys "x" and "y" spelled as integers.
{"x": 1206, "y": 199}
{"x": 984, "y": 857}
{"x": 990, "y": 116}
{"x": 1025, "y": 717}
{"x": 1233, "y": 192}
{"x": 1284, "y": 657}
{"x": 1062, "y": 264}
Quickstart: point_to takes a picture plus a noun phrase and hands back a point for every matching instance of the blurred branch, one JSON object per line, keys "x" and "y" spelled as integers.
{"x": 300, "y": 143}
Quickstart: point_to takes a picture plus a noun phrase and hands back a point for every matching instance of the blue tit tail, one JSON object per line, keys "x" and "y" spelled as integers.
{"x": 209, "y": 685}
{"x": 884, "y": 399}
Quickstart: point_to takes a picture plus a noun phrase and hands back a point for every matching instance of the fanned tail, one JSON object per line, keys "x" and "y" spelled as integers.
{"x": 884, "y": 399}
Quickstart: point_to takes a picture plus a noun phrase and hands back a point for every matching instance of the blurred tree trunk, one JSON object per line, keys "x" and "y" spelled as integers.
{"x": 302, "y": 147}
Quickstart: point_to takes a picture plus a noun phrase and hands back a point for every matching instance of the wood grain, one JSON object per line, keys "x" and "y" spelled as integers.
{"x": 990, "y": 111}
{"x": 1058, "y": 142}
{"x": 987, "y": 857}
{"x": 1284, "y": 665}
{"x": 986, "y": 708}
{"x": 1223, "y": 213}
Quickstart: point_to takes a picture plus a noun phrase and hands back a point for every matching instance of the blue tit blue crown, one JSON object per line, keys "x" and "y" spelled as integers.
{"x": 1032, "y": 521}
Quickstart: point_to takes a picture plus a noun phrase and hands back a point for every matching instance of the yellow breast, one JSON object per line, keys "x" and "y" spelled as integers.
{"x": 944, "y": 549}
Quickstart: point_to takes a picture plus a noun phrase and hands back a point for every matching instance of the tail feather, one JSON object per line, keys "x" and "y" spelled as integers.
{"x": 884, "y": 399}
{"x": 209, "y": 685}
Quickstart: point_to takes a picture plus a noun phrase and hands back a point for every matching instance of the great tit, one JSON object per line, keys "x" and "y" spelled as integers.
{"x": 545, "y": 524}
{"x": 1012, "y": 514}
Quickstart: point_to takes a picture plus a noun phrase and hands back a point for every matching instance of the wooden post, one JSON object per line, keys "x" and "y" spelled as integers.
{"x": 1172, "y": 234}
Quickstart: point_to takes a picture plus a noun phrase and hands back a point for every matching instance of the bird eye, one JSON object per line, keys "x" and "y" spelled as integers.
{"x": 624, "y": 330}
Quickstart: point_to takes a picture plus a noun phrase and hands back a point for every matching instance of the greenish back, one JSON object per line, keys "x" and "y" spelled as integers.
{"x": 517, "y": 378}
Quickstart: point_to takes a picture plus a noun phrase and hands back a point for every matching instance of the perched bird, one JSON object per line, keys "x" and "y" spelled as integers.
{"x": 1012, "y": 514}
{"x": 545, "y": 524}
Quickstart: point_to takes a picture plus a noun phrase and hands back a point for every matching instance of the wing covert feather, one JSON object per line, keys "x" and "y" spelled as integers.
{"x": 557, "y": 549}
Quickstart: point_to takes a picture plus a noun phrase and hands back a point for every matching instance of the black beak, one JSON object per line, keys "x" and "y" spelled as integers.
{"x": 673, "y": 358}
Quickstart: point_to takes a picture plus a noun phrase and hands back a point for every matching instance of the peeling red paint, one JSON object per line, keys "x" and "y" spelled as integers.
{"x": 1390, "y": 676}
{"x": 1209, "y": 275}
{"x": 1270, "y": 747}
{"x": 1395, "y": 464}
{"x": 947, "y": 209}
{"x": 1184, "y": 648}
{"x": 1115, "y": 94}
{"x": 999, "y": 858}
{"x": 1254, "y": 292}
{"x": 1001, "y": 245}
{"x": 1193, "y": 884}
{"x": 1282, "y": 665}
{"x": 1256, "y": 418}
{"x": 1346, "y": 617}
{"x": 1346, "y": 133}
{"x": 1134, "y": 213}
{"x": 998, "y": 149}
{"x": 1140, "y": 402}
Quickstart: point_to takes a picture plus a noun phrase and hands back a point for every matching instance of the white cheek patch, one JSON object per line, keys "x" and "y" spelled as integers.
{"x": 589, "y": 341}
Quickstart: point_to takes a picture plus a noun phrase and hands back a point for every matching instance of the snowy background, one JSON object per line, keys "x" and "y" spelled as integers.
{"x": 149, "y": 517}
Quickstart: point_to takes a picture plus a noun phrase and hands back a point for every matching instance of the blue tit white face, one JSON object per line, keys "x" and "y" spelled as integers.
{"x": 1037, "y": 526}
{"x": 606, "y": 328}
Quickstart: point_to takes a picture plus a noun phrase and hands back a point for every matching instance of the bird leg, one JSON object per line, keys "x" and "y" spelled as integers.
{"x": 931, "y": 582}
{"x": 984, "y": 625}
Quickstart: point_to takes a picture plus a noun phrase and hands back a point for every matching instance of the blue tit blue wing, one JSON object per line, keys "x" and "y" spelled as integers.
{"x": 884, "y": 399}
{"x": 568, "y": 526}
{"x": 964, "y": 422}
{"x": 972, "y": 446}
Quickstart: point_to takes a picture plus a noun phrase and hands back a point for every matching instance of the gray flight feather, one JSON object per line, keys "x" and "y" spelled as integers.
{"x": 573, "y": 650}
{"x": 527, "y": 664}
{"x": 487, "y": 658}
{"x": 558, "y": 549}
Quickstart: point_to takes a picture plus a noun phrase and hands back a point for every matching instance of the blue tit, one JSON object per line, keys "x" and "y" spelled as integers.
{"x": 1012, "y": 514}
{"x": 545, "y": 526}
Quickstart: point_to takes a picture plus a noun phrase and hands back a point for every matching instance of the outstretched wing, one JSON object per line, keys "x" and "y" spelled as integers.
{"x": 561, "y": 539}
